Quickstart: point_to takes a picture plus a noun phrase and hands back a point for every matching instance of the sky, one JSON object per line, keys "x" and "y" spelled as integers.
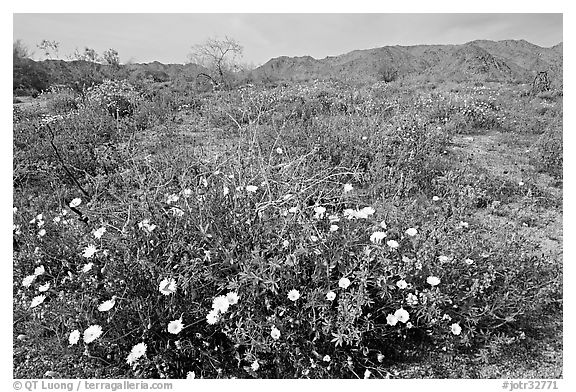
{"x": 168, "y": 38}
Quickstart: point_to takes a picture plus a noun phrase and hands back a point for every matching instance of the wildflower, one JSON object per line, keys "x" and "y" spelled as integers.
{"x": 89, "y": 251}
{"x": 377, "y": 237}
{"x": 391, "y": 320}
{"x": 326, "y": 358}
{"x": 433, "y": 281}
{"x": 187, "y": 192}
{"x": 330, "y": 295}
{"x": 411, "y": 232}
{"x": 92, "y": 333}
{"x": 87, "y": 267}
{"x": 212, "y": 317}
{"x": 446, "y": 317}
{"x": 285, "y": 243}
{"x": 56, "y": 219}
{"x": 39, "y": 270}
{"x": 44, "y": 287}
{"x": 172, "y": 199}
{"x": 226, "y": 190}
{"x": 100, "y": 232}
{"x": 344, "y": 283}
{"x": 456, "y": 329}
{"x": 402, "y": 284}
{"x": 74, "y": 337}
{"x": 293, "y": 210}
{"x": 521, "y": 183}
{"x": 380, "y": 357}
{"x": 412, "y": 299}
{"x": 75, "y": 202}
{"x": 347, "y": 188}
{"x": 313, "y": 238}
{"x": 409, "y": 325}
{"x": 232, "y": 298}
{"x": 469, "y": 261}
{"x": 190, "y": 375}
{"x": 402, "y": 315}
{"x": 293, "y": 295}
{"x": 275, "y": 333}
{"x": 251, "y": 188}
{"x": 443, "y": 259}
{"x": 365, "y": 212}
{"x": 37, "y": 301}
{"x": 367, "y": 374}
{"x": 137, "y": 351}
{"x": 40, "y": 223}
{"x": 221, "y": 304}
{"x": 319, "y": 212}
{"x": 333, "y": 218}
{"x": 107, "y": 305}
{"x": 42, "y": 233}
{"x": 334, "y": 228}
{"x": 463, "y": 224}
{"x": 255, "y": 366}
{"x": 393, "y": 244}
{"x": 176, "y": 211}
{"x": 279, "y": 150}
{"x": 175, "y": 326}
{"x": 435, "y": 198}
{"x": 383, "y": 225}
{"x": 167, "y": 286}
{"x": 146, "y": 226}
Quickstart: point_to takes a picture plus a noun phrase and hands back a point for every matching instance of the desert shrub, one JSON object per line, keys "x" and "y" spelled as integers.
{"x": 118, "y": 98}
{"x": 549, "y": 153}
{"x": 302, "y": 249}
{"x": 60, "y": 100}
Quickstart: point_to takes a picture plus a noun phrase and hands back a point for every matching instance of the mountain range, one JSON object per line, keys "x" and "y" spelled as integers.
{"x": 508, "y": 60}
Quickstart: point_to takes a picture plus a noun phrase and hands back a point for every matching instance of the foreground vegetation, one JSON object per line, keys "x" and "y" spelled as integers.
{"x": 313, "y": 230}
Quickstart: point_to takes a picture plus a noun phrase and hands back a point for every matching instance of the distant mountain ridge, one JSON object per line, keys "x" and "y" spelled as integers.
{"x": 508, "y": 60}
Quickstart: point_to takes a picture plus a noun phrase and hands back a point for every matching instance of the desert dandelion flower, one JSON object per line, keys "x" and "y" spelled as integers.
{"x": 402, "y": 315}
{"x": 411, "y": 232}
{"x": 89, "y": 251}
{"x": 251, "y": 188}
{"x": 456, "y": 329}
{"x": 275, "y": 333}
{"x": 175, "y": 326}
{"x": 232, "y": 298}
{"x": 433, "y": 281}
{"x": 74, "y": 337}
{"x": 27, "y": 281}
{"x": 377, "y": 237}
{"x": 348, "y": 188}
{"x": 391, "y": 320}
{"x": 293, "y": 295}
{"x": 37, "y": 301}
{"x": 39, "y": 270}
{"x": 44, "y": 287}
{"x": 220, "y": 304}
{"x": 393, "y": 244}
{"x": 138, "y": 351}
{"x": 401, "y": 284}
{"x": 330, "y": 296}
{"x": 344, "y": 283}
{"x": 107, "y": 305}
{"x": 100, "y": 232}
{"x": 212, "y": 317}
{"x": 75, "y": 202}
{"x": 92, "y": 333}
{"x": 167, "y": 286}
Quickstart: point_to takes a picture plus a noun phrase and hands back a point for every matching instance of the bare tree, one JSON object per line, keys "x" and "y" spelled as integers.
{"x": 219, "y": 57}
{"x": 50, "y": 48}
{"x": 88, "y": 54}
{"x": 111, "y": 57}
{"x": 20, "y": 50}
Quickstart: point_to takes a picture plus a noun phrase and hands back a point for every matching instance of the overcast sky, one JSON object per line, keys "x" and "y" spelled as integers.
{"x": 168, "y": 37}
